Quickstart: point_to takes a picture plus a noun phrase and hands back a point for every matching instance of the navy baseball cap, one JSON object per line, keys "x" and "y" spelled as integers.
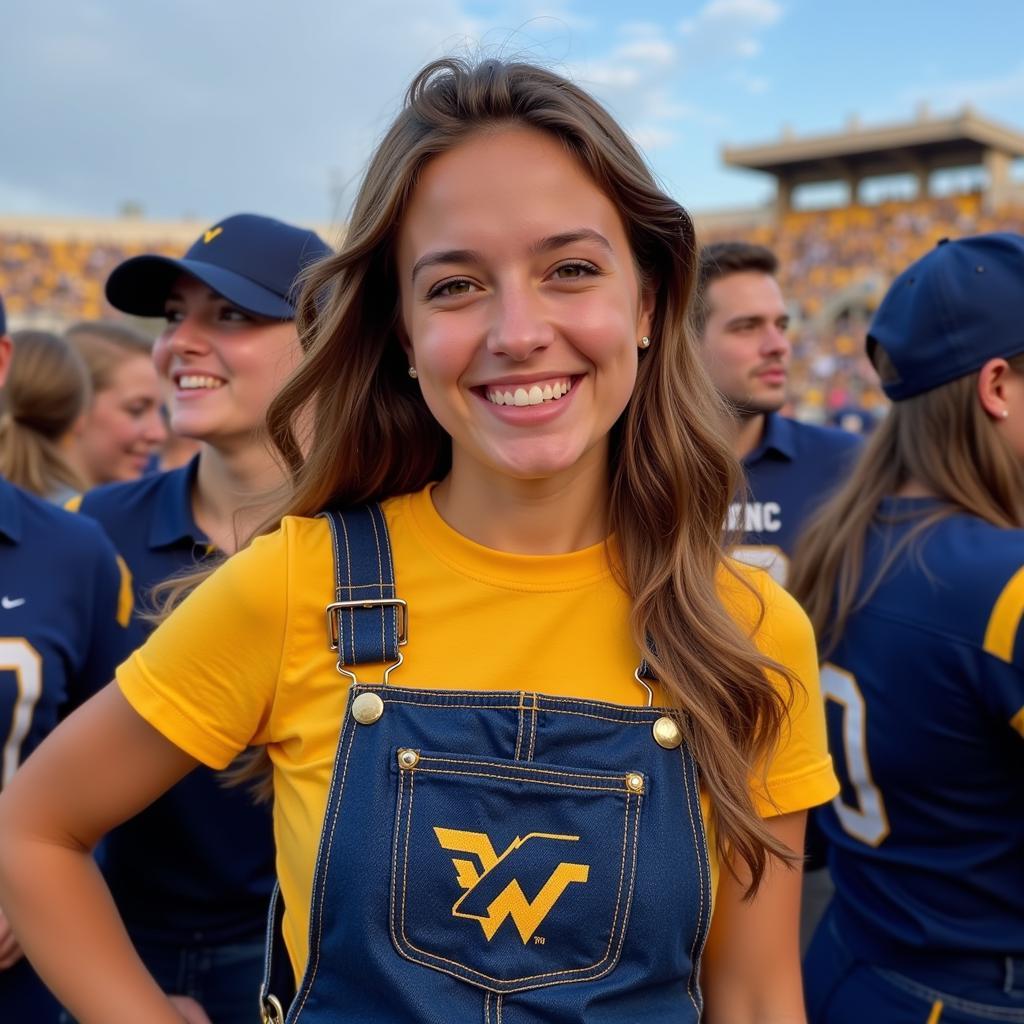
{"x": 252, "y": 261}
{"x": 950, "y": 312}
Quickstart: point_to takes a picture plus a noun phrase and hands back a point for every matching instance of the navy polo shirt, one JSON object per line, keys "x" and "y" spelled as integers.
{"x": 60, "y": 599}
{"x": 197, "y": 866}
{"x": 794, "y": 470}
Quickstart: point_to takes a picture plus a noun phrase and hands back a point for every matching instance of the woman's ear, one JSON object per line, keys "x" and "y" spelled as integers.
{"x": 993, "y": 378}
{"x": 648, "y": 303}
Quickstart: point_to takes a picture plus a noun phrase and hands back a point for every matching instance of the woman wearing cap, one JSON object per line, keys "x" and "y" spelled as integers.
{"x": 192, "y": 873}
{"x": 123, "y": 427}
{"x": 914, "y": 578}
{"x": 511, "y": 829}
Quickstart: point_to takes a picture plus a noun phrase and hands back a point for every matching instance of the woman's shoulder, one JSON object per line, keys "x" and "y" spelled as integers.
{"x": 751, "y": 594}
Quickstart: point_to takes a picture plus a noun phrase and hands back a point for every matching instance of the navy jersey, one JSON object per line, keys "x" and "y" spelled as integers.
{"x": 197, "y": 866}
{"x": 63, "y": 610}
{"x": 794, "y": 469}
{"x": 64, "y": 606}
{"x": 925, "y": 710}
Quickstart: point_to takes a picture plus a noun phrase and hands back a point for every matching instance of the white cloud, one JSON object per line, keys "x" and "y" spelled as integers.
{"x": 729, "y": 28}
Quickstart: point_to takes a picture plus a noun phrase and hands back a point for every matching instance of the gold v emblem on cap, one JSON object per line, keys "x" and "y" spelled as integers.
{"x": 211, "y": 234}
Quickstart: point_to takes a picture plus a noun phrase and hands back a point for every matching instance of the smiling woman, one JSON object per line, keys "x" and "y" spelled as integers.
{"x": 122, "y": 427}
{"x": 192, "y": 874}
{"x": 549, "y": 723}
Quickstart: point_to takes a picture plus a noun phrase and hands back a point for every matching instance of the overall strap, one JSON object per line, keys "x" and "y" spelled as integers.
{"x": 367, "y": 622}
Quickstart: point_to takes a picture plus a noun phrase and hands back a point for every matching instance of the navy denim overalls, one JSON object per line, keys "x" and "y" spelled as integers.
{"x": 494, "y": 857}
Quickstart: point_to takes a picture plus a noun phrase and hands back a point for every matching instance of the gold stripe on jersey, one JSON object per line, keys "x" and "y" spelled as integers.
{"x": 1018, "y": 721}
{"x": 125, "y": 595}
{"x": 1005, "y": 619}
{"x": 73, "y": 504}
{"x": 936, "y": 1014}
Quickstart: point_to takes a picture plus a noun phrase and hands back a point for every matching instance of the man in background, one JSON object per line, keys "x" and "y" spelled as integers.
{"x": 790, "y": 467}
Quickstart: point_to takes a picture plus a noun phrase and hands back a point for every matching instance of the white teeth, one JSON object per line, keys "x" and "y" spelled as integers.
{"x": 195, "y": 381}
{"x": 535, "y": 394}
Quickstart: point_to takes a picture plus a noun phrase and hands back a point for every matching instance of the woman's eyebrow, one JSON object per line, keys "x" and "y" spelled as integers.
{"x": 432, "y": 259}
{"x": 564, "y": 238}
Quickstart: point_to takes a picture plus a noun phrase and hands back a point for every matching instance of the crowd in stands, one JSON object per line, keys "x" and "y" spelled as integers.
{"x": 834, "y": 267}
{"x": 62, "y": 280}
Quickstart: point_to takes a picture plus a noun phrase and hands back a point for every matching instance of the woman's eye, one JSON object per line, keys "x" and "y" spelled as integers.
{"x": 574, "y": 271}
{"x": 450, "y": 289}
{"x": 173, "y": 316}
{"x": 235, "y": 316}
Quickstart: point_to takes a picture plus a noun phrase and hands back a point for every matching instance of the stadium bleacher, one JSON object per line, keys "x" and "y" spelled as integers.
{"x": 835, "y": 265}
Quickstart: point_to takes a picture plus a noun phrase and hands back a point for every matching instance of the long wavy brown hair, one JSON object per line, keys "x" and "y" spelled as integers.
{"x": 352, "y": 428}
{"x": 942, "y": 440}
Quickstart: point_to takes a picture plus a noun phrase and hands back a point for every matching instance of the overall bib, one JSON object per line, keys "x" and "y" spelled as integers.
{"x": 494, "y": 857}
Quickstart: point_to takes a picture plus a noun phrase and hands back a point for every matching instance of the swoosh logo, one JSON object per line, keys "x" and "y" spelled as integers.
{"x": 11, "y": 602}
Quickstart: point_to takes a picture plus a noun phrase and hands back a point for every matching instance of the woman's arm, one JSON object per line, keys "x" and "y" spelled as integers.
{"x": 751, "y": 972}
{"x": 101, "y": 766}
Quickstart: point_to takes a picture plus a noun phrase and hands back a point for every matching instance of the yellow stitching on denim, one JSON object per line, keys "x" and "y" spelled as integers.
{"x": 691, "y": 981}
{"x": 512, "y": 707}
{"x": 519, "y": 728}
{"x": 533, "y": 726}
{"x": 466, "y": 970}
{"x": 351, "y": 611}
{"x": 394, "y": 858}
{"x": 700, "y": 935}
{"x": 313, "y": 954}
{"x": 567, "y": 772}
{"x": 380, "y": 585}
{"x": 505, "y": 778}
{"x": 446, "y": 706}
{"x": 391, "y": 569}
{"x": 642, "y": 713}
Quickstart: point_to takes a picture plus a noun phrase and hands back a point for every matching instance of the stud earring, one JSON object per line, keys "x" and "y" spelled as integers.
{"x": 645, "y": 342}
{"x": 1006, "y": 413}
{"x": 412, "y": 372}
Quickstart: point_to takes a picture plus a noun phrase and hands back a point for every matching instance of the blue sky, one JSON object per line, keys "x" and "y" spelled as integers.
{"x": 205, "y": 108}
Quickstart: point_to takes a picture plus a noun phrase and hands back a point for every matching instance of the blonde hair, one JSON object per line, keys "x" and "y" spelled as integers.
{"x": 672, "y": 472}
{"x": 104, "y": 346}
{"x": 943, "y": 440}
{"x": 47, "y": 389}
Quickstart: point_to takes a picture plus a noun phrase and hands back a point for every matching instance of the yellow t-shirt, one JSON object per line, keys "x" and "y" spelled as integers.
{"x": 245, "y": 661}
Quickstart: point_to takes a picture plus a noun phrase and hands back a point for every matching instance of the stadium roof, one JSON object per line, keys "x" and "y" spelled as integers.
{"x": 958, "y": 141}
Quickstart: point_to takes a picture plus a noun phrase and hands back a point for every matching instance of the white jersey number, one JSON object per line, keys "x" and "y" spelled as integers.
{"x": 764, "y": 556}
{"x": 867, "y": 821}
{"x": 21, "y": 658}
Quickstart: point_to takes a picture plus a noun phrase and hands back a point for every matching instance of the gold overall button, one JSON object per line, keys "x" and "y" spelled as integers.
{"x": 367, "y": 708}
{"x": 408, "y": 758}
{"x": 667, "y": 733}
{"x": 635, "y": 782}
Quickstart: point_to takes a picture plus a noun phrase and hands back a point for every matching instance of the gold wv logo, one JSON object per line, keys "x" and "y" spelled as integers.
{"x": 511, "y": 901}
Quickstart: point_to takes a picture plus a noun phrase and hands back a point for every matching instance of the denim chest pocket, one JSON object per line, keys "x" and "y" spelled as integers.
{"x": 512, "y": 876}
